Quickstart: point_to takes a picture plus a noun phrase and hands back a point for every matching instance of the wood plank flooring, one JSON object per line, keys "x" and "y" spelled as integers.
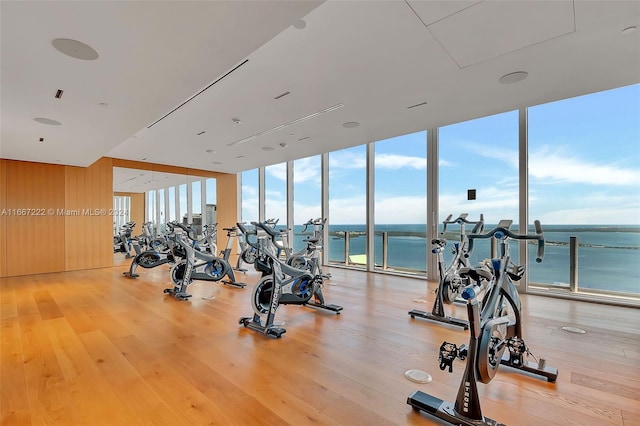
{"x": 95, "y": 348}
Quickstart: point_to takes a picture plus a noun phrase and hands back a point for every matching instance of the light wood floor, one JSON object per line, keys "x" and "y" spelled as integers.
{"x": 92, "y": 347}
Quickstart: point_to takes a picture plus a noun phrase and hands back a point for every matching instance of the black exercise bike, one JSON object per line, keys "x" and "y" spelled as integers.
{"x": 495, "y": 333}
{"x": 450, "y": 283}
{"x": 197, "y": 265}
{"x": 280, "y": 284}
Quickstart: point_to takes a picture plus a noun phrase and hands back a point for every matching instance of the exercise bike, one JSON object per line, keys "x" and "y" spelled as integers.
{"x": 280, "y": 284}
{"x": 309, "y": 256}
{"x": 450, "y": 283}
{"x": 152, "y": 258}
{"x": 247, "y": 253}
{"x": 197, "y": 265}
{"x": 492, "y": 333}
{"x": 122, "y": 242}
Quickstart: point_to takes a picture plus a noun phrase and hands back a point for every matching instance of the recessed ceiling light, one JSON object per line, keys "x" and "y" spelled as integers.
{"x": 267, "y": 148}
{"x": 211, "y": 151}
{"x": 75, "y": 49}
{"x": 629, "y": 30}
{"x": 301, "y": 24}
{"x": 48, "y": 121}
{"x": 513, "y": 77}
{"x": 350, "y": 124}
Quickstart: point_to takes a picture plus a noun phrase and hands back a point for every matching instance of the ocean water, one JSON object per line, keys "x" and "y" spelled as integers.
{"x": 608, "y": 255}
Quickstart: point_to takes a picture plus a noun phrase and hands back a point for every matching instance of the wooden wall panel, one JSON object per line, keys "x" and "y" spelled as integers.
{"x": 34, "y": 244}
{"x": 227, "y": 203}
{"x": 89, "y": 229}
{"x": 3, "y": 218}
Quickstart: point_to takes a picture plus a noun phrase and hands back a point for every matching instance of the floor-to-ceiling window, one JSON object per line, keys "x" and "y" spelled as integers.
{"x": 122, "y": 210}
{"x": 161, "y": 212}
{"x": 182, "y": 196}
{"x": 211, "y": 216}
{"x": 401, "y": 203}
{"x": 584, "y": 181}
{"x": 275, "y": 194}
{"x": 478, "y": 174}
{"x": 151, "y": 206}
{"x": 196, "y": 206}
{"x": 348, "y": 206}
{"x": 171, "y": 216}
{"x": 307, "y": 193}
{"x": 249, "y": 196}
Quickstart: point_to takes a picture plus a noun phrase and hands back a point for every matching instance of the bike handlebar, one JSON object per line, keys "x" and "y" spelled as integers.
{"x": 502, "y": 233}
{"x": 315, "y": 222}
{"x": 461, "y": 220}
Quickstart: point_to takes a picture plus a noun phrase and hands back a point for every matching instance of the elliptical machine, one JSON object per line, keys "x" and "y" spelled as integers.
{"x": 492, "y": 332}
{"x": 197, "y": 265}
{"x": 280, "y": 284}
{"x": 450, "y": 283}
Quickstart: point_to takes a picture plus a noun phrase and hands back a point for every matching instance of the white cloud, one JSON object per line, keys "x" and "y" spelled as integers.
{"x": 347, "y": 160}
{"x": 446, "y": 163}
{"x": 394, "y": 161}
{"x": 307, "y": 170}
{"x": 508, "y": 156}
{"x": 558, "y": 164}
{"x": 496, "y": 203}
{"x": 304, "y": 212}
{"x": 629, "y": 215}
{"x": 246, "y": 191}
{"x": 404, "y": 209}
{"x": 344, "y": 211}
{"x": 278, "y": 171}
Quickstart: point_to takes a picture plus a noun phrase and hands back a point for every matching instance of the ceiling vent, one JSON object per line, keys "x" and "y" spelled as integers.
{"x": 196, "y": 95}
{"x": 282, "y": 95}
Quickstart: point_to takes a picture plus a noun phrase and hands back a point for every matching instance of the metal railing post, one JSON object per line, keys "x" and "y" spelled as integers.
{"x": 573, "y": 264}
{"x": 385, "y": 250}
{"x": 346, "y": 247}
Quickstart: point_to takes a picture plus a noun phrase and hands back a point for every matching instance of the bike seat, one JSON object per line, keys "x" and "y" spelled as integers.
{"x": 477, "y": 274}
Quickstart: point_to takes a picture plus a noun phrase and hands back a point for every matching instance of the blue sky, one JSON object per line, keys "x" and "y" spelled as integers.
{"x": 584, "y": 168}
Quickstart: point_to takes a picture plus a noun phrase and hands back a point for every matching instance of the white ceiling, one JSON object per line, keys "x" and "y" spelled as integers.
{"x": 376, "y": 58}
{"x": 135, "y": 180}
